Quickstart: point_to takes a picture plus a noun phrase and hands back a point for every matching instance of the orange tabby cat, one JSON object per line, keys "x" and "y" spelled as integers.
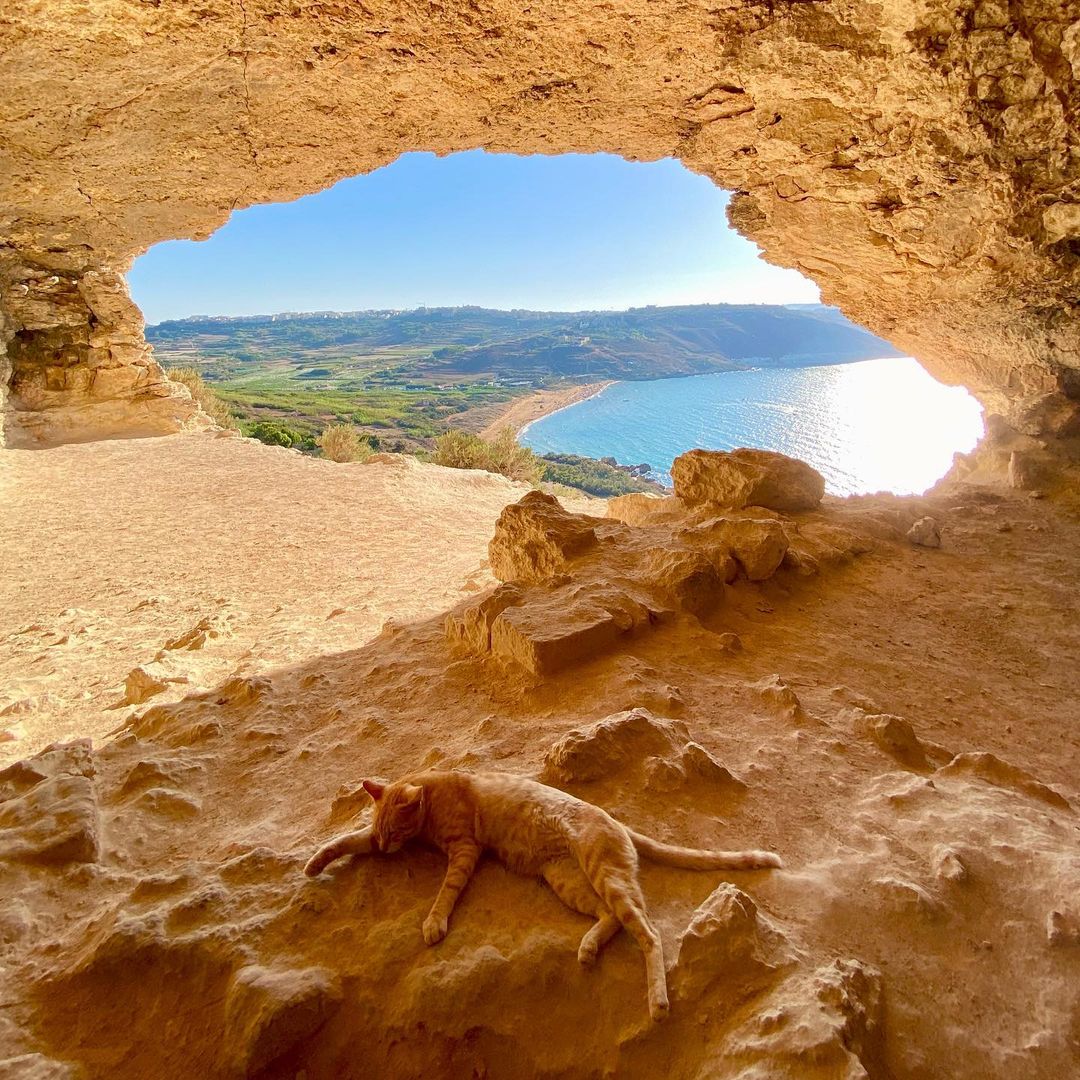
{"x": 587, "y": 857}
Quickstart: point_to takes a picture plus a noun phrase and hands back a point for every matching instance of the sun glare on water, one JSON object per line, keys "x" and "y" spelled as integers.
{"x": 876, "y": 425}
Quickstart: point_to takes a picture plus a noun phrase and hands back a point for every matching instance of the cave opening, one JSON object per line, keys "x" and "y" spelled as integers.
{"x": 433, "y": 292}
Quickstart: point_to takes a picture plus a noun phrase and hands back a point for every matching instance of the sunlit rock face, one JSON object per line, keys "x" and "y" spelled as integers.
{"x": 919, "y": 162}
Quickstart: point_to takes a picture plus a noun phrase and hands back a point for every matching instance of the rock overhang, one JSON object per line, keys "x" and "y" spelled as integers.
{"x": 919, "y": 163}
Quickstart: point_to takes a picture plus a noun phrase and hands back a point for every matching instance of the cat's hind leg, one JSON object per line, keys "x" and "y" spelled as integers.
{"x": 569, "y": 883}
{"x": 611, "y": 867}
{"x": 354, "y": 843}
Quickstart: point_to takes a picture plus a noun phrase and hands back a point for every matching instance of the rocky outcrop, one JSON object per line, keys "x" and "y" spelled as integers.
{"x": 536, "y": 538}
{"x": 746, "y": 478}
{"x": 579, "y": 586}
{"x": 79, "y": 365}
{"x": 918, "y": 161}
{"x": 48, "y": 807}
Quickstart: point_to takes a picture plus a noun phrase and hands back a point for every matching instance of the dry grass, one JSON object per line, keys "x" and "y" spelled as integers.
{"x": 204, "y": 397}
{"x": 342, "y": 442}
{"x": 502, "y": 454}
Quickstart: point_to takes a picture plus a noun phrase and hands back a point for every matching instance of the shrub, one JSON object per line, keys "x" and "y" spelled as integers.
{"x": 596, "y": 477}
{"x": 507, "y": 456}
{"x": 461, "y": 450}
{"x": 204, "y": 397}
{"x": 275, "y": 433}
{"x": 342, "y": 442}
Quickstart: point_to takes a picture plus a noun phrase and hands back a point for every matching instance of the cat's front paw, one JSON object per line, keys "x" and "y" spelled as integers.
{"x": 434, "y": 929}
{"x": 659, "y": 1008}
{"x": 317, "y": 863}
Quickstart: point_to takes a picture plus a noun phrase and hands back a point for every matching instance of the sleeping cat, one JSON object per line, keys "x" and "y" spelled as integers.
{"x": 587, "y": 857}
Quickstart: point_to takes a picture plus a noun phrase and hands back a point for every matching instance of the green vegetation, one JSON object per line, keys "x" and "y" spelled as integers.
{"x": 274, "y": 433}
{"x": 595, "y": 477}
{"x": 413, "y": 374}
{"x": 461, "y": 450}
{"x": 415, "y": 379}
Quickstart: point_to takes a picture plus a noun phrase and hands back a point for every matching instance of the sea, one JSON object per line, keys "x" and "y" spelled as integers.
{"x": 875, "y": 425}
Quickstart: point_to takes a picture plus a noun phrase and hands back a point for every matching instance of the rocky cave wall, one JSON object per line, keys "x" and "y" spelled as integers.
{"x": 918, "y": 160}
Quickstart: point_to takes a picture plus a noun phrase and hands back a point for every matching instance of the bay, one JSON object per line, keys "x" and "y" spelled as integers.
{"x": 875, "y": 425}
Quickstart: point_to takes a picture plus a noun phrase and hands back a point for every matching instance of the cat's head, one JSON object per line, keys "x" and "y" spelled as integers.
{"x": 399, "y": 813}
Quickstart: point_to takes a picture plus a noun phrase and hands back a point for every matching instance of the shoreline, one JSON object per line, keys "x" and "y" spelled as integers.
{"x": 522, "y": 413}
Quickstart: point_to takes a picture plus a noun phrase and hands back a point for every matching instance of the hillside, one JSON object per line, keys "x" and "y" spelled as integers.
{"x": 408, "y": 374}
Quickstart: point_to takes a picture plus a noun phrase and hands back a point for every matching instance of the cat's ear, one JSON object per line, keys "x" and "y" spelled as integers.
{"x": 374, "y": 789}
{"x": 412, "y": 795}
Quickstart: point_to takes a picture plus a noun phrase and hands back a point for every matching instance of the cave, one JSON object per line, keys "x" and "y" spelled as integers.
{"x": 919, "y": 165}
{"x": 881, "y": 689}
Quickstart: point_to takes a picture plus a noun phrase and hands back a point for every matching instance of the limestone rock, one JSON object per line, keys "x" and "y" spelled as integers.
{"x": 471, "y": 625}
{"x": 758, "y": 544}
{"x": 780, "y": 698}
{"x": 896, "y": 737}
{"x": 723, "y": 935}
{"x": 1062, "y": 928}
{"x": 825, "y": 1023}
{"x": 991, "y": 769}
{"x": 48, "y": 807}
{"x": 1026, "y": 471}
{"x": 269, "y": 1011}
{"x": 660, "y": 750}
{"x": 38, "y": 1067}
{"x": 566, "y": 626}
{"x": 140, "y": 686}
{"x": 638, "y": 508}
{"x": 58, "y": 759}
{"x": 746, "y": 478}
{"x": 55, "y": 822}
{"x": 536, "y": 538}
{"x": 688, "y": 578}
{"x": 925, "y": 533}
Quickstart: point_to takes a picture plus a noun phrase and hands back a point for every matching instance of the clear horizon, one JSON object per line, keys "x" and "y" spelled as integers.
{"x": 558, "y": 233}
{"x": 485, "y": 307}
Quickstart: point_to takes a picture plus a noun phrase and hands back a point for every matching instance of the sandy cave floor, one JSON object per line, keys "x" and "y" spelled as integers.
{"x": 925, "y": 924}
{"x": 240, "y": 556}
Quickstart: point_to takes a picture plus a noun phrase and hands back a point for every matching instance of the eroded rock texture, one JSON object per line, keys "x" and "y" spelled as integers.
{"x": 898, "y": 722}
{"x": 919, "y": 161}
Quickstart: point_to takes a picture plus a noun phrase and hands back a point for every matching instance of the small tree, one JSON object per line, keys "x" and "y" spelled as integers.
{"x": 342, "y": 442}
{"x": 204, "y": 397}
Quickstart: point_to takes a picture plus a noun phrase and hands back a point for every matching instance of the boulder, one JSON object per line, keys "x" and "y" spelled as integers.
{"x": 555, "y": 630}
{"x": 758, "y": 544}
{"x": 535, "y": 538}
{"x": 746, "y": 478}
{"x": 685, "y": 577}
{"x": 925, "y": 533}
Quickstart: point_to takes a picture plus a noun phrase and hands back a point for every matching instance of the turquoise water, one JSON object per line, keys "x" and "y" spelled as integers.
{"x": 879, "y": 425}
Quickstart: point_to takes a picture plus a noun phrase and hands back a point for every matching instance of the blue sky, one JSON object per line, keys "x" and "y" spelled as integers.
{"x": 569, "y": 233}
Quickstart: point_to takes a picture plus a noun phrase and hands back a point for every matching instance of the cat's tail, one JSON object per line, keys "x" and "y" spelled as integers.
{"x": 695, "y": 859}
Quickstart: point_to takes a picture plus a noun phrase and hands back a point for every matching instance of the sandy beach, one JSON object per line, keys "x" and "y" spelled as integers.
{"x": 524, "y": 411}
